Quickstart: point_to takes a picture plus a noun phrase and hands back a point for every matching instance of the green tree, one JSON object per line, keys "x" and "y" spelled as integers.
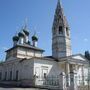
{"x": 87, "y": 55}
{"x": 1, "y": 61}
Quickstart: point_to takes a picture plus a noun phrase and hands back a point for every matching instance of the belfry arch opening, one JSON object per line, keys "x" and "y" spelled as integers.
{"x": 60, "y": 30}
{"x": 67, "y": 31}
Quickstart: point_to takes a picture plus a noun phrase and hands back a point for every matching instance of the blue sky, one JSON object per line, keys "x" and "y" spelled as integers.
{"x": 40, "y": 14}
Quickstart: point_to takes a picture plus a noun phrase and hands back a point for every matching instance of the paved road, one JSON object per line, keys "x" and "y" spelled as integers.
{"x": 20, "y": 89}
{"x": 8, "y": 87}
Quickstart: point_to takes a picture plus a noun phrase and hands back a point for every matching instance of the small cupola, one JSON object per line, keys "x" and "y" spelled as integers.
{"x": 15, "y": 40}
{"x": 25, "y": 28}
{"x": 26, "y": 35}
{"x": 34, "y": 40}
{"x": 21, "y": 34}
{"x": 26, "y": 32}
{"x": 21, "y": 37}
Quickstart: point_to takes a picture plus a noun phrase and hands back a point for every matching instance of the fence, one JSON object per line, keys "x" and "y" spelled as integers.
{"x": 83, "y": 82}
{"x": 47, "y": 81}
{"x": 79, "y": 82}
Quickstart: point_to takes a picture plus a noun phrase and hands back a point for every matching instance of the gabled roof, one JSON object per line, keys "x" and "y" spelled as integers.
{"x": 78, "y": 58}
{"x": 26, "y": 46}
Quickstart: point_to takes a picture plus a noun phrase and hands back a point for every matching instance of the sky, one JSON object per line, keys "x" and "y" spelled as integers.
{"x": 40, "y": 14}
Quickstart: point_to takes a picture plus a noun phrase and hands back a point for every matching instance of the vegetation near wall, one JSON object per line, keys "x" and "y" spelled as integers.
{"x": 87, "y": 55}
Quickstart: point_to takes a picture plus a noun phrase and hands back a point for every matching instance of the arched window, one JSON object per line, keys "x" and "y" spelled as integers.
{"x": 10, "y": 75}
{"x": 67, "y": 31}
{"x": 54, "y": 31}
{"x": 5, "y": 76}
{"x": 0, "y": 75}
{"x": 60, "y": 30}
{"x": 45, "y": 75}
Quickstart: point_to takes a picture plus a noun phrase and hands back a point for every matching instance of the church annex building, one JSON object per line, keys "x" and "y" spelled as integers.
{"x": 25, "y": 64}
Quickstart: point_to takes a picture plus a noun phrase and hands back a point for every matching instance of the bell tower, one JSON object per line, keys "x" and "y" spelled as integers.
{"x": 61, "y": 42}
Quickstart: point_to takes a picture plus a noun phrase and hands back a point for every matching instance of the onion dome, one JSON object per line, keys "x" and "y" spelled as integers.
{"x": 15, "y": 38}
{"x": 26, "y": 32}
{"x": 21, "y": 34}
{"x": 34, "y": 38}
{"x": 25, "y": 29}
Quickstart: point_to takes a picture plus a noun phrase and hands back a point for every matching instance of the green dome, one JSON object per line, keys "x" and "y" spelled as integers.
{"x": 15, "y": 38}
{"x": 26, "y": 32}
{"x": 34, "y": 38}
{"x": 21, "y": 34}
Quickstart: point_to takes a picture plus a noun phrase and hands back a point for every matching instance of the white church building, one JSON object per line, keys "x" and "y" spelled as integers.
{"x": 25, "y": 64}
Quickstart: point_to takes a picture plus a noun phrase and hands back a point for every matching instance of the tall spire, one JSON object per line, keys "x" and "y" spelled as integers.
{"x": 61, "y": 46}
{"x": 59, "y": 7}
{"x": 58, "y": 0}
{"x": 58, "y": 3}
{"x": 59, "y": 15}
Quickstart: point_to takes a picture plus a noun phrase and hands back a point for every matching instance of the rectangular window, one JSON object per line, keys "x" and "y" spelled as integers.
{"x": 37, "y": 71}
{"x": 44, "y": 71}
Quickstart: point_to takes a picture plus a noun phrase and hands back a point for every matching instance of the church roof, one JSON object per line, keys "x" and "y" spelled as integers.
{"x": 77, "y": 58}
{"x": 26, "y": 46}
{"x": 50, "y": 57}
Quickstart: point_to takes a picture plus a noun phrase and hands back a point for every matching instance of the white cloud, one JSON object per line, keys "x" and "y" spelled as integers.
{"x": 85, "y": 40}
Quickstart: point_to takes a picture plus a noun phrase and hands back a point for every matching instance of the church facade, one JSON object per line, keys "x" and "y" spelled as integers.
{"x": 25, "y": 64}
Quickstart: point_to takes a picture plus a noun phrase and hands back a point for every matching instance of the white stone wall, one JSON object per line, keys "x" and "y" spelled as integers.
{"x": 51, "y": 66}
{"x": 27, "y": 53}
{"x": 23, "y": 53}
{"x": 25, "y": 69}
{"x": 48, "y": 67}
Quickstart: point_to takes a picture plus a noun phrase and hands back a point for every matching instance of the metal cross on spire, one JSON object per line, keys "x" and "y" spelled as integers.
{"x": 25, "y": 24}
{"x": 59, "y": 4}
{"x": 59, "y": 1}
